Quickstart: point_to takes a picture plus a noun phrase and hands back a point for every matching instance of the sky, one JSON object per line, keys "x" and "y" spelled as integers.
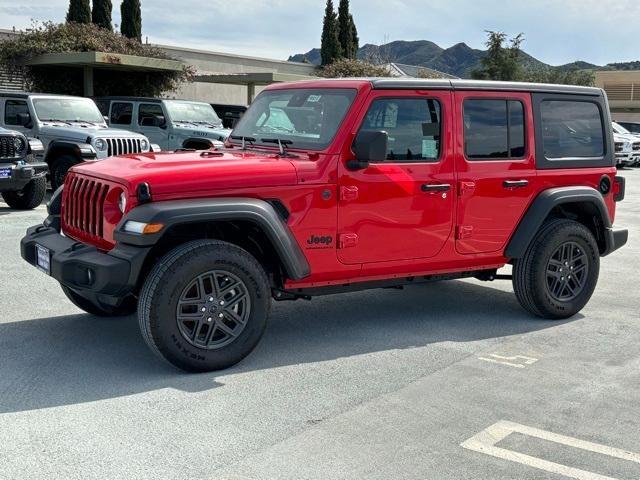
{"x": 556, "y": 31}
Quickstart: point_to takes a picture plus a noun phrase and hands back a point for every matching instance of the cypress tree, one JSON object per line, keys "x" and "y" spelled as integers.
{"x": 355, "y": 40}
{"x": 345, "y": 38}
{"x": 79, "y": 11}
{"x": 131, "y": 22}
{"x": 101, "y": 13}
{"x": 330, "y": 46}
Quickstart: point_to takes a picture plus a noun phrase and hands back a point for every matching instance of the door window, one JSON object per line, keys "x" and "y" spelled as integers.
{"x": 493, "y": 129}
{"x": 11, "y": 110}
{"x": 121, "y": 113}
{"x": 148, "y": 112}
{"x": 413, "y": 124}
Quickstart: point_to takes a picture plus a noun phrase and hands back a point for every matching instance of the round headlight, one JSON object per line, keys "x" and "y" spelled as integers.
{"x": 122, "y": 202}
{"x": 100, "y": 144}
{"x": 20, "y": 144}
{"x": 144, "y": 144}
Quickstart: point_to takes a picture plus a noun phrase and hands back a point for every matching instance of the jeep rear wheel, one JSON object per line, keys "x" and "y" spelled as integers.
{"x": 59, "y": 169}
{"x": 31, "y": 195}
{"x": 559, "y": 271}
{"x": 204, "y": 306}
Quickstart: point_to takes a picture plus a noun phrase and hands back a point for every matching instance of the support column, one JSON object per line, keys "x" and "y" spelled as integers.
{"x": 251, "y": 92}
{"x": 88, "y": 81}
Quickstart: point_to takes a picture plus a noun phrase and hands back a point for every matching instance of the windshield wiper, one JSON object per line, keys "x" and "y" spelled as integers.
{"x": 282, "y": 145}
{"x": 56, "y": 120}
{"x": 244, "y": 140}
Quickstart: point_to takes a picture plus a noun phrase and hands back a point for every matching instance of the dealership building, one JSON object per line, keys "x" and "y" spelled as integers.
{"x": 623, "y": 91}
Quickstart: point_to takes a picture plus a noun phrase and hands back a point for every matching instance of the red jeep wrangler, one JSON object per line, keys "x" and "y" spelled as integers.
{"x": 330, "y": 186}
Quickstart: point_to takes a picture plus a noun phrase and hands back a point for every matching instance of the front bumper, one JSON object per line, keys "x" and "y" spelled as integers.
{"x": 22, "y": 174}
{"x": 102, "y": 277}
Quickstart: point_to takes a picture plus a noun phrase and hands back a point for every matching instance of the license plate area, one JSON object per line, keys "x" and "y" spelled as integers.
{"x": 5, "y": 172}
{"x": 43, "y": 259}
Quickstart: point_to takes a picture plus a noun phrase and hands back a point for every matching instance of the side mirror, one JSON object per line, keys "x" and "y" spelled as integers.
{"x": 159, "y": 121}
{"x": 369, "y": 146}
{"x": 24, "y": 119}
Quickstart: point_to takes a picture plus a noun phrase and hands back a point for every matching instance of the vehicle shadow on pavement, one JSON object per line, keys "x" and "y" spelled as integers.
{"x": 74, "y": 359}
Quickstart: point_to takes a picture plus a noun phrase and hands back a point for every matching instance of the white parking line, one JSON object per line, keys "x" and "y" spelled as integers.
{"x": 485, "y": 442}
{"x": 495, "y": 358}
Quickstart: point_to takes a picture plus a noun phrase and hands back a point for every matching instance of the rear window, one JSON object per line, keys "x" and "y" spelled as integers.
{"x": 572, "y": 129}
{"x": 494, "y": 129}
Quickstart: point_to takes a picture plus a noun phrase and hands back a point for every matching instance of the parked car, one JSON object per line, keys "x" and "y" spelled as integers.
{"x": 331, "y": 186}
{"x": 172, "y": 124}
{"x": 71, "y": 129}
{"x": 23, "y": 182}
{"x": 627, "y": 146}
{"x": 633, "y": 127}
{"x": 230, "y": 114}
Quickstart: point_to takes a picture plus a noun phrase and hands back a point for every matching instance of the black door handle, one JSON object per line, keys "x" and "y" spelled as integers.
{"x": 435, "y": 187}
{"x": 515, "y": 183}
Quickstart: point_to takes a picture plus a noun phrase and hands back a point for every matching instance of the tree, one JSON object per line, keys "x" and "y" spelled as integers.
{"x": 131, "y": 22}
{"x": 330, "y": 45}
{"x": 101, "y": 13}
{"x": 345, "y": 67}
{"x": 79, "y": 11}
{"x": 355, "y": 41}
{"x": 500, "y": 62}
{"x": 345, "y": 34}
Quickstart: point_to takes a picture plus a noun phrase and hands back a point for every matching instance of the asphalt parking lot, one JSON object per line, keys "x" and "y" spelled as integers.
{"x": 445, "y": 381}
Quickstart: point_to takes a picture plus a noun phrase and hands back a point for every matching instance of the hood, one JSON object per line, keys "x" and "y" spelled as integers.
{"x": 203, "y": 130}
{"x": 80, "y": 131}
{"x": 176, "y": 174}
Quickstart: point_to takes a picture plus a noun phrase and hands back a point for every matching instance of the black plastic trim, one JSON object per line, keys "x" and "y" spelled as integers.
{"x": 179, "y": 212}
{"x": 623, "y": 184}
{"x": 542, "y": 206}
{"x": 82, "y": 150}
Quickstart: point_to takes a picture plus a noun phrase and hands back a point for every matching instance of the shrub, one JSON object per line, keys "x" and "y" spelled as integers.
{"x": 353, "y": 68}
{"x": 74, "y": 37}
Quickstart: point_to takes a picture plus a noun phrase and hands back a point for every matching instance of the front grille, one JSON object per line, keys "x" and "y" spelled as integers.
{"x": 83, "y": 209}
{"x": 619, "y": 146}
{"x": 122, "y": 146}
{"x": 7, "y": 147}
{"x": 636, "y": 147}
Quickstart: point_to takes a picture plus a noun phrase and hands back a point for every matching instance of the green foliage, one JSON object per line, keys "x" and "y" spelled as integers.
{"x": 346, "y": 67}
{"x": 131, "y": 22}
{"x": 345, "y": 33}
{"x": 500, "y": 62}
{"x": 79, "y": 11}
{"x": 101, "y": 13}
{"x": 556, "y": 75}
{"x": 355, "y": 40}
{"x": 330, "y": 45}
{"x": 75, "y": 37}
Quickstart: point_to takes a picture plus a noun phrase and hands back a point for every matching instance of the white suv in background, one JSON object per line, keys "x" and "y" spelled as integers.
{"x": 627, "y": 146}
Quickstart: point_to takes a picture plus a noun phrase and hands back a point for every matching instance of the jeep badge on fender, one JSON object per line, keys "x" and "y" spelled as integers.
{"x": 436, "y": 180}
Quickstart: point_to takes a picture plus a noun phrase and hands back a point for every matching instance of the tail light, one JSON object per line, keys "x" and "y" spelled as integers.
{"x": 618, "y": 189}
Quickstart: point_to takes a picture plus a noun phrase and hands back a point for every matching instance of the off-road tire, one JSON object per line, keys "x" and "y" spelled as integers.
{"x": 164, "y": 288}
{"x": 59, "y": 168}
{"x": 127, "y": 307}
{"x": 530, "y": 272}
{"x": 31, "y": 195}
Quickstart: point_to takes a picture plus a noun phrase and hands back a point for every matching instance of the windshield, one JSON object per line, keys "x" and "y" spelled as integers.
{"x": 188, "y": 112}
{"x": 619, "y": 128}
{"x": 67, "y": 110}
{"x": 308, "y": 118}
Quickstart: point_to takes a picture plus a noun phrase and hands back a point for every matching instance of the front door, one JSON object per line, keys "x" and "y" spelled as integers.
{"x": 147, "y": 124}
{"x": 402, "y": 208}
{"x": 496, "y": 168}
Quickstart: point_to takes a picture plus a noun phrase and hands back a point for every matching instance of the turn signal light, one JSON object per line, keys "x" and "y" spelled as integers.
{"x": 142, "y": 228}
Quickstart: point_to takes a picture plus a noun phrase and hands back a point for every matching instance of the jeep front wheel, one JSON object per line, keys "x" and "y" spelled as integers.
{"x": 204, "y": 306}
{"x": 59, "y": 169}
{"x": 559, "y": 271}
{"x": 31, "y": 195}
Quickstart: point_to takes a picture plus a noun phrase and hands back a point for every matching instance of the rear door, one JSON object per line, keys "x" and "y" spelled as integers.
{"x": 402, "y": 208}
{"x": 146, "y": 124}
{"x": 496, "y": 167}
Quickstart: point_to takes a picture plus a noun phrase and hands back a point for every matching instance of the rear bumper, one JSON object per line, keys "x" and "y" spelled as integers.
{"x": 106, "y": 278}
{"x": 21, "y": 175}
{"x": 615, "y": 239}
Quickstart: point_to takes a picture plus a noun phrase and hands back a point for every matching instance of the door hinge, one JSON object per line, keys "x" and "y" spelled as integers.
{"x": 466, "y": 187}
{"x": 347, "y": 240}
{"x": 463, "y": 231}
{"x": 348, "y": 193}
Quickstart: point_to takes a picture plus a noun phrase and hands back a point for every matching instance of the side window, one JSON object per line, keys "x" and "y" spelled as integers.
{"x": 572, "y": 129}
{"x": 121, "y": 113}
{"x": 413, "y": 124}
{"x": 11, "y": 110}
{"x": 494, "y": 129}
{"x": 147, "y": 112}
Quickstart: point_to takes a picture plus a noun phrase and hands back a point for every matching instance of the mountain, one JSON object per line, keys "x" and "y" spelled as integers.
{"x": 459, "y": 60}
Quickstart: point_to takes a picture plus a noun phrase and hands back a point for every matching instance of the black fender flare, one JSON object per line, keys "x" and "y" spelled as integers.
{"x": 540, "y": 208}
{"x": 178, "y": 212}
{"x": 83, "y": 151}
{"x": 206, "y": 140}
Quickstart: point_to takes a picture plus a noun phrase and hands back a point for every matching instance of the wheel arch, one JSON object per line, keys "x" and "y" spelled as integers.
{"x": 252, "y": 224}
{"x": 82, "y": 151}
{"x": 193, "y": 142}
{"x": 582, "y": 204}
